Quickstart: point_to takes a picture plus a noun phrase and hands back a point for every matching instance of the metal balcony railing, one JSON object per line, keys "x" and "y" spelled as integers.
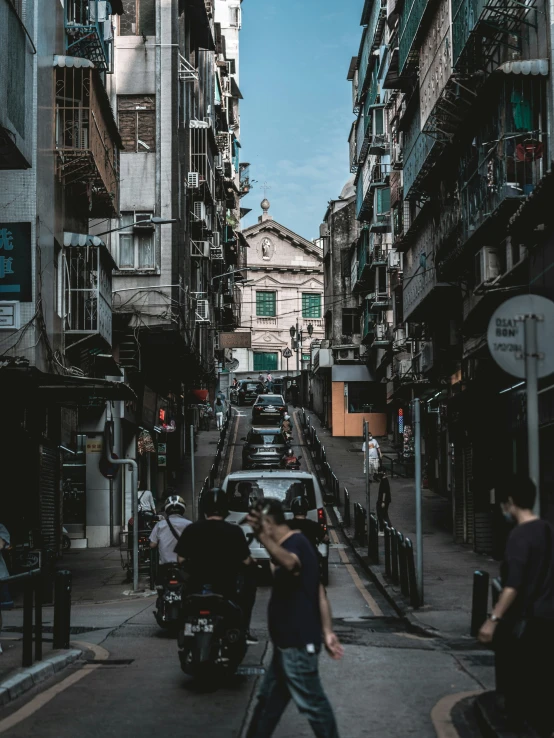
{"x": 409, "y": 30}
{"x": 89, "y": 32}
{"x": 87, "y": 139}
{"x": 202, "y": 147}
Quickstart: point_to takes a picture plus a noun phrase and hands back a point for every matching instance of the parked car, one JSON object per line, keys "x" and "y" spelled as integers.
{"x": 244, "y": 393}
{"x": 264, "y": 447}
{"x": 268, "y": 407}
{"x": 246, "y": 488}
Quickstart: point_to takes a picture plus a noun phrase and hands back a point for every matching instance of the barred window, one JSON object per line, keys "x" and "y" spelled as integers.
{"x": 139, "y": 18}
{"x": 266, "y": 304}
{"x": 137, "y": 122}
{"x": 311, "y": 305}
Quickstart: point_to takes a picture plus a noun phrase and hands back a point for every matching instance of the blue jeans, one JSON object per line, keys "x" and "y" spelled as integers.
{"x": 293, "y": 673}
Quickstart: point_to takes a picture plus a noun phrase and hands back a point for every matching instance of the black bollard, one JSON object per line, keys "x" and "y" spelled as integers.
{"x": 412, "y": 579}
{"x": 29, "y": 586}
{"x": 387, "y": 550}
{"x": 403, "y": 567}
{"x": 346, "y": 508}
{"x": 394, "y": 556}
{"x": 373, "y": 542}
{"x": 480, "y": 601}
{"x": 62, "y": 609}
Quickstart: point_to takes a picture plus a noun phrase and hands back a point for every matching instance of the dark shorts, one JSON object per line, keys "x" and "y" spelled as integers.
{"x": 6, "y": 602}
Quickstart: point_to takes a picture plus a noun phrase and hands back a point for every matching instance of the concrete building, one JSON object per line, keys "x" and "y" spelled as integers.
{"x": 284, "y": 289}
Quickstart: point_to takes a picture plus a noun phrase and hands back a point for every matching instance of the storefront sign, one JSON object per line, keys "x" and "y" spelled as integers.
{"x": 162, "y": 448}
{"x": 240, "y": 339}
{"x": 162, "y": 460}
{"x": 94, "y": 445}
{"x": 15, "y": 262}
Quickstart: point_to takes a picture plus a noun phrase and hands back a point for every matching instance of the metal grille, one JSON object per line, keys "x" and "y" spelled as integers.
{"x": 48, "y": 497}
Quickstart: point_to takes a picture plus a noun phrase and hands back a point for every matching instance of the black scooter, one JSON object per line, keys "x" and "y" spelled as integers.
{"x": 212, "y": 643}
{"x": 169, "y": 604}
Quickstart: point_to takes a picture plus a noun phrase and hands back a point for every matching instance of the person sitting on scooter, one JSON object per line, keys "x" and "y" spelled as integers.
{"x": 314, "y": 532}
{"x": 217, "y": 554}
{"x": 286, "y": 425}
{"x": 168, "y": 531}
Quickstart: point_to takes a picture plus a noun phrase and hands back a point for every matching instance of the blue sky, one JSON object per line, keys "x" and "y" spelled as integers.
{"x": 297, "y": 108}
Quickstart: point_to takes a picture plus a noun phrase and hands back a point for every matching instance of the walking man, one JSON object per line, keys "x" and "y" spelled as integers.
{"x": 521, "y": 625}
{"x": 299, "y": 622}
{"x": 373, "y": 455}
{"x": 383, "y": 502}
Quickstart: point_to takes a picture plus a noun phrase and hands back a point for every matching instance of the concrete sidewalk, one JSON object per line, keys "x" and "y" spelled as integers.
{"x": 448, "y": 567}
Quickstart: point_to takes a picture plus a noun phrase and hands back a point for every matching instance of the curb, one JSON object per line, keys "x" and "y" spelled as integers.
{"x": 25, "y": 679}
{"x": 396, "y": 601}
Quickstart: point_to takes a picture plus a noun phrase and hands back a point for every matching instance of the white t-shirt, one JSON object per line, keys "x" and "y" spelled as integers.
{"x": 373, "y": 452}
{"x": 146, "y": 501}
{"x": 165, "y": 539}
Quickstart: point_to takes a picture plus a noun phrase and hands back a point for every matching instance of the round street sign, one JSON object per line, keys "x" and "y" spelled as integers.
{"x": 287, "y": 353}
{"x": 506, "y": 334}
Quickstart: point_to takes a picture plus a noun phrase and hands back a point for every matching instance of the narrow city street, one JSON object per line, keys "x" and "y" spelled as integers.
{"x": 387, "y": 684}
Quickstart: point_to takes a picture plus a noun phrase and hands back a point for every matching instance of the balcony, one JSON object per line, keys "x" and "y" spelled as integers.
{"x": 266, "y": 322}
{"x": 409, "y": 33}
{"x": 89, "y": 31}
{"x": 87, "y": 289}
{"x": 202, "y": 150}
{"x": 364, "y": 260}
{"x": 87, "y": 138}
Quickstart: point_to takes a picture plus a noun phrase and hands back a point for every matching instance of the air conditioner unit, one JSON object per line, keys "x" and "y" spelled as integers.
{"x": 346, "y": 354}
{"x": 200, "y": 211}
{"x": 381, "y": 331}
{"x": 193, "y": 180}
{"x": 202, "y": 311}
{"x": 200, "y": 249}
{"x": 324, "y": 230}
{"x": 325, "y": 357}
{"x": 395, "y": 260}
{"x": 487, "y": 265}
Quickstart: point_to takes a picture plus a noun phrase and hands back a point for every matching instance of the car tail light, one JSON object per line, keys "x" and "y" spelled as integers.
{"x": 205, "y": 612}
{"x": 282, "y": 408}
{"x": 173, "y": 581}
{"x": 321, "y": 519}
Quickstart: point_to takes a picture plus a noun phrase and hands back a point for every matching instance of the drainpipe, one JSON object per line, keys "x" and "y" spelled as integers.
{"x": 134, "y": 497}
{"x": 550, "y": 96}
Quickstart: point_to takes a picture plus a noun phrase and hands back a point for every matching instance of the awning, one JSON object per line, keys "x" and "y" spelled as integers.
{"x": 235, "y": 92}
{"x": 242, "y": 239}
{"x": 87, "y": 239}
{"x": 528, "y": 66}
{"x": 72, "y": 61}
{"x": 61, "y": 389}
{"x": 351, "y": 373}
{"x": 245, "y": 211}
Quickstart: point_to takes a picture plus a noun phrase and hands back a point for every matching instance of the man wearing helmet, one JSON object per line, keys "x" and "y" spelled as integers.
{"x": 314, "y": 532}
{"x": 217, "y": 554}
{"x": 168, "y": 530}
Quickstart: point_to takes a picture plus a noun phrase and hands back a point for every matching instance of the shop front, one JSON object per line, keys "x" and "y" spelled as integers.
{"x": 356, "y": 398}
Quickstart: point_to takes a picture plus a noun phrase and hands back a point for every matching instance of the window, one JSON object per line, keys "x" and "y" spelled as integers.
{"x": 265, "y": 362}
{"x": 143, "y": 11}
{"x": 136, "y": 245}
{"x": 242, "y": 494}
{"x": 137, "y": 122}
{"x": 235, "y": 16}
{"x": 350, "y": 322}
{"x": 382, "y": 200}
{"x": 366, "y": 397}
{"x": 265, "y": 304}
{"x": 311, "y": 305}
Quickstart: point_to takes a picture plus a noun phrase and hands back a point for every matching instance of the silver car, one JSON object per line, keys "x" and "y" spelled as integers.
{"x": 264, "y": 447}
{"x": 246, "y": 488}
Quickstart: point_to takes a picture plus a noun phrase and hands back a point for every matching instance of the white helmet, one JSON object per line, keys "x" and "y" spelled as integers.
{"x": 175, "y": 505}
{"x": 286, "y": 416}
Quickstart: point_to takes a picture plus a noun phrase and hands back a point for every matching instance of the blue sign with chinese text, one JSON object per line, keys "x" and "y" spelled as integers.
{"x": 15, "y": 262}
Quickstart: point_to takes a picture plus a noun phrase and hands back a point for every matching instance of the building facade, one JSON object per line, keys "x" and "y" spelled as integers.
{"x": 120, "y": 187}
{"x": 283, "y": 290}
{"x": 450, "y": 148}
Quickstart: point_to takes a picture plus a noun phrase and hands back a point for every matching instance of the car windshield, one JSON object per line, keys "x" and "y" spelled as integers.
{"x": 266, "y": 438}
{"x": 250, "y": 387}
{"x": 270, "y": 400}
{"x": 242, "y": 494}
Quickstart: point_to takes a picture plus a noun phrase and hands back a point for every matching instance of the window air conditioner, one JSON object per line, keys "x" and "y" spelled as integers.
{"x": 193, "y": 180}
{"x": 200, "y": 249}
{"x": 380, "y": 331}
{"x": 395, "y": 260}
{"x": 347, "y": 354}
{"x": 487, "y": 265}
{"x": 200, "y": 211}
{"x": 202, "y": 311}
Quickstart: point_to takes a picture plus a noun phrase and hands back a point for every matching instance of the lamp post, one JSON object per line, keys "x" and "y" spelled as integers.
{"x": 295, "y": 331}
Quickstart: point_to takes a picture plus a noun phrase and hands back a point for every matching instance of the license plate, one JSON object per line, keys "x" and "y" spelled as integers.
{"x": 199, "y": 626}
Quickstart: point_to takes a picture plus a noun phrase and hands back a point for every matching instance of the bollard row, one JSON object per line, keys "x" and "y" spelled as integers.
{"x": 400, "y": 563}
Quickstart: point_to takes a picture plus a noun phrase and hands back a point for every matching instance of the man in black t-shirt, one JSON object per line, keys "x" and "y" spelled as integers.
{"x": 314, "y": 532}
{"x": 299, "y": 620}
{"x": 217, "y": 554}
{"x": 522, "y": 621}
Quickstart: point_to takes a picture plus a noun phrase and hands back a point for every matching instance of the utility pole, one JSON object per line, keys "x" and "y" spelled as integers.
{"x": 192, "y": 475}
{"x": 419, "y": 531}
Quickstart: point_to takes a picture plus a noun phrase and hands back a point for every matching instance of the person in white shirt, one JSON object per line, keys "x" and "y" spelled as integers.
{"x": 167, "y": 531}
{"x": 373, "y": 455}
{"x": 219, "y": 409}
{"x": 146, "y": 502}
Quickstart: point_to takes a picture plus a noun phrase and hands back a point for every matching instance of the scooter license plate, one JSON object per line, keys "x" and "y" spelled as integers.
{"x": 201, "y": 625}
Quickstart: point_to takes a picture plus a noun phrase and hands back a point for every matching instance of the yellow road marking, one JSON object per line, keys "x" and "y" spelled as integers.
{"x": 45, "y": 697}
{"x": 370, "y": 601}
{"x": 441, "y": 714}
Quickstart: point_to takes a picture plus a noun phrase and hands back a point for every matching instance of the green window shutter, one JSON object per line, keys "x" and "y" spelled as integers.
{"x": 265, "y": 362}
{"x": 311, "y": 305}
{"x": 383, "y": 200}
{"x": 265, "y": 304}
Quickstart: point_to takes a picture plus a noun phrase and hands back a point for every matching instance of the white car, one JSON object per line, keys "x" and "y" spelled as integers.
{"x": 245, "y": 488}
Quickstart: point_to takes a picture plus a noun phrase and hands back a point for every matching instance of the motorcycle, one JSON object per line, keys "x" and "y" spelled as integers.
{"x": 169, "y": 604}
{"x": 290, "y": 462}
{"x": 212, "y": 643}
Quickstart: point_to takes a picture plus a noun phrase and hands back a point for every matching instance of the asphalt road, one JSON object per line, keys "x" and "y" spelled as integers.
{"x": 386, "y": 685}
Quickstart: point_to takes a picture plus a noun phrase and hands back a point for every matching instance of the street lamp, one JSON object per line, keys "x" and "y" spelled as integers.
{"x": 153, "y": 220}
{"x": 310, "y": 329}
{"x": 292, "y": 331}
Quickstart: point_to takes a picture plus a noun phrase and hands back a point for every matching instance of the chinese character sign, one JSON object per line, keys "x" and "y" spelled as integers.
{"x": 15, "y": 262}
